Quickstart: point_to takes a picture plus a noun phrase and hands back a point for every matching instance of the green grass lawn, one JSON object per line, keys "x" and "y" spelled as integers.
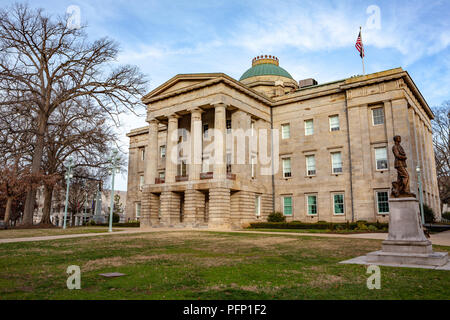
{"x": 26, "y": 233}
{"x": 207, "y": 265}
{"x": 345, "y": 231}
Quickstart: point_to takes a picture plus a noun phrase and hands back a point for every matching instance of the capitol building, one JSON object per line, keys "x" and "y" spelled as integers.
{"x": 221, "y": 152}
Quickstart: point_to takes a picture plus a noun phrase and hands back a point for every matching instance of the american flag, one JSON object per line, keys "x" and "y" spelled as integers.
{"x": 359, "y": 45}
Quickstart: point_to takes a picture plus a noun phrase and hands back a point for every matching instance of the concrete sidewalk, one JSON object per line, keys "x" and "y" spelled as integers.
{"x": 442, "y": 238}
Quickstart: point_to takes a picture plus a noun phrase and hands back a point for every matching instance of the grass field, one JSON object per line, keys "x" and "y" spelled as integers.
{"x": 27, "y": 233}
{"x": 207, "y": 265}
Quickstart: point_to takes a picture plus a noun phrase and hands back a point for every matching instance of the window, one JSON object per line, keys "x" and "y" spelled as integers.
{"x": 310, "y": 165}
{"x": 287, "y": 206}
{"x": 285, "y": 131}
{"x": 286, "y": 167}
{"x": 309, "y": 127}
{"x": 381, "y": 158}
{"x": 138, "y": 209}
{"x": 141, "y": 182}
{"x": 311, "y": 201}
{"x": 205, "y": 131}
{"x": 162, "y": 175}
{"x": 162, "y": 151}
{"x": 205, "y": 163}
{"x": 377, "y": 116}
{"x": 253, "y": 165}
{"x": 382, "y": 202}
{"x": 334, "y": 123}
{"x": 336, "y": 162}
{"x": 338, "y": 203}
{"x": 258, "y": 205}
{"x": 228, "y": 126}
{"x": 182, "y": 168}
{"x": 228, "y": 162}
{"x": 142, "y": 153}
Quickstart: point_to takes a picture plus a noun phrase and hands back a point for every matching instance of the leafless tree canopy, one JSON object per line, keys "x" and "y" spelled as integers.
{"x": 44, "y": 65}
{"x": 441, "y": 141}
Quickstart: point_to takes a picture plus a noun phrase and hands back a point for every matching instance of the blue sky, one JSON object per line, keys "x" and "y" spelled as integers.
{"x": 311, "y": 38}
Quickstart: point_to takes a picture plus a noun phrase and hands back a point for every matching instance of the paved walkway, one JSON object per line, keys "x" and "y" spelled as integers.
{"x": 442, "y": 238}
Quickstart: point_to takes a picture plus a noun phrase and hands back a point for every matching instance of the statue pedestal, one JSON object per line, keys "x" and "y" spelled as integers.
{"x": 406, "y": 242}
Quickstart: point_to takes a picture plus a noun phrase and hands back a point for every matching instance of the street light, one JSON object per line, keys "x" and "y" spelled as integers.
{"x": 68, "y": 176}
{"x": 114, "y": 158}
{"x": 419, "y": 178}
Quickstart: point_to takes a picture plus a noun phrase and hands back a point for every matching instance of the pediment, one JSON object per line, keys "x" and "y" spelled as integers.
{"x": 179, "y": 82}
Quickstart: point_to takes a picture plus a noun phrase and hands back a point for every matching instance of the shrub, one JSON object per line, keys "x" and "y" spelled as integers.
{"x": 116, "y": 217}
{"x": 361, "y": 225}
{"x": 446, "y": 215}
{"x": 428, "y": 213}
{"x": 372, "y": 227}
{"x": 276, "y": 217}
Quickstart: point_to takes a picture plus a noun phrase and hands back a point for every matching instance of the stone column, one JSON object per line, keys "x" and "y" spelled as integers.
{"x": 171, "y": 149}
{"x": 151, "y": 154}
{"x": 195, "y": 165}
{"x": 192, "y": 203}
{"x": 220, "y": 166}
{"x": 170, "y": 208}
{"x": 240, "y": 143}
{"x": 219, "y": 208}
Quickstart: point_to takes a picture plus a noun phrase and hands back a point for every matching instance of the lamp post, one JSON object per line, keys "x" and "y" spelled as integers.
{"x": 419, "y": 178}
{"x": 68, "y": 176}
{"x": 113, "y": 159}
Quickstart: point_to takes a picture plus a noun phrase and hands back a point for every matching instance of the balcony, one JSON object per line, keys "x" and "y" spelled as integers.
{"x": 181, "y": 178}
{"x": 159, "y": 180}
{"x": 206, "y": 175}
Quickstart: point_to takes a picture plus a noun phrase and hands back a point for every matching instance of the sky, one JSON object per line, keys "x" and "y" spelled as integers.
{"x": 312, "y": 39}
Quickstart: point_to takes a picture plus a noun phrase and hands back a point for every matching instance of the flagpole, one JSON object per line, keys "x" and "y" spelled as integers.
{"x": 360, "y": 32}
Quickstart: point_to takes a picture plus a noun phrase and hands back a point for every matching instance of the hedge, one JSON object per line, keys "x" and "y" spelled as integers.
{"x": 118, "y": 224}
{"x": 318, "y": 225}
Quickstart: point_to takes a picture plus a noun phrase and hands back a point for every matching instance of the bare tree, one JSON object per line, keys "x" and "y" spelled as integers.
{"x": 81, "y": 130}
{"x": 441, "y": 142}
{"x": 45, "y": 63}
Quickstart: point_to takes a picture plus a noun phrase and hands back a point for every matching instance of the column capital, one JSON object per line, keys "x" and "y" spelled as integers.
{"x": 173, "y": 116}
{"x": 195, "y": 110}
{"x": 152, "y": 120}
{"x": 219, "y": 104}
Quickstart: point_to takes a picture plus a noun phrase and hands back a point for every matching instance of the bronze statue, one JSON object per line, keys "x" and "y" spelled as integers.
{"x": 400, "y": 188}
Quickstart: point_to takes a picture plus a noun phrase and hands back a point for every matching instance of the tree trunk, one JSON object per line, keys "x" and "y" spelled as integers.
{"x": 48, "y": 192}
{"x": 8, "y": 211}
{"x": 35, "y": 168}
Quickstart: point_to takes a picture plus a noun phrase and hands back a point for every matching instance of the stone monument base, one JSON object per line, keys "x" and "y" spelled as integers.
{"x": 406, "y": 242}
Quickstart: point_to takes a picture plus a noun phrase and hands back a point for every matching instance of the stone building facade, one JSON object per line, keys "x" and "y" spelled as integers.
{"x": 311, "y": 151}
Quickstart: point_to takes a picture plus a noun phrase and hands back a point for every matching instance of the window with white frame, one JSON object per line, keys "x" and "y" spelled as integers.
{"x": 309, "y": 127}
{"x": 141, "y": 182}
{"x": 338, "y": 203}
{"x": 138, "y": 209}
{"x": 181, "y": 168}
{"x": 228, "y": 162}
{"x": 336, "y": 162}
{"x": 162, "y": 175}
{"x": 285, "y": 131}
{"x": 310, "y": 165}
{"x": 205, "y": 163}
{"x": 334, "y": 123}
{"x": 381, "y": 158}
{"x": 311, "y": 201}
{"x": 142, "y": 152}
{"x": 253, "y": 165}
{"x": 287, "y": 205}
{"x": 286, "y": 167}
{"x": 258, "y": 205}
{"x": 377, "y": 116}
{"x": 382, "y": 201}
{"x": 162, "y": 151}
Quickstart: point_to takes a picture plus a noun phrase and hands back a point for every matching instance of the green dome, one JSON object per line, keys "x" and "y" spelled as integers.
{"x": 265, "y": 69}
